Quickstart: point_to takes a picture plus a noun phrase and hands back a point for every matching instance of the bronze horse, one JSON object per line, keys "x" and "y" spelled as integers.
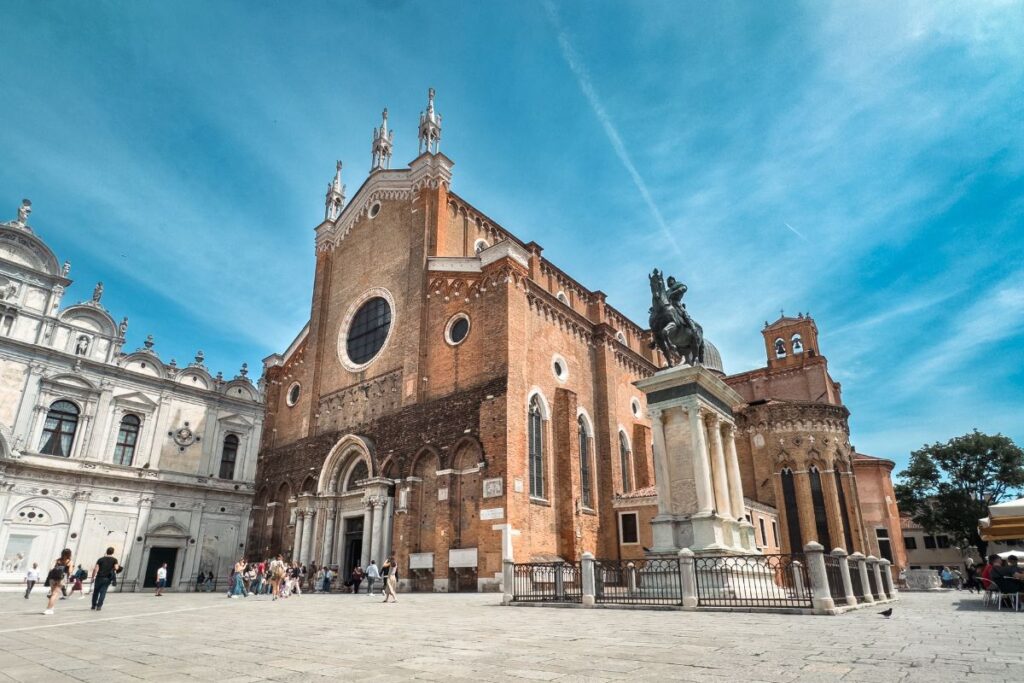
{"x": 676, "y": 335}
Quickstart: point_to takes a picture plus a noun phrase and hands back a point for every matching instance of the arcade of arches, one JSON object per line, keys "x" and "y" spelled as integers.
{"x": 355, "y": 509}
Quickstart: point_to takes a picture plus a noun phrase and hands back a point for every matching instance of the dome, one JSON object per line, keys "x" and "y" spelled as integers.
{"x": 712, "y": 358}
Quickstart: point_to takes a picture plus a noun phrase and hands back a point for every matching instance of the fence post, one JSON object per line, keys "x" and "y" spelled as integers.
{"x": 688, "y": 578}
{"x": 890, "y": 589}
{"x": 844, "y": 570}
{"x": 508, "y": 573}
{"x": 862, "y": 569}
{"x": 880, "y": 587}
{"x": 587, "y": 568}
{"x": 821, "y": 596}
{"x": 560, "y": 582}
{"x": 631, "y": 578}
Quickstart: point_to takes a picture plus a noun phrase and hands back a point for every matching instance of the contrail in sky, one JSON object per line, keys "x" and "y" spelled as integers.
{"x": 579, "y": 70}
{"x": 795, "y": 231}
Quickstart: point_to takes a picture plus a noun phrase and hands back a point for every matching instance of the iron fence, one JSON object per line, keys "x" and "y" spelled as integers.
{"x": 654, "y": 581}
{"x": 547, "y": 582}
{"x": 125, "y": 586}
{"x": 753, "y": 581}
{"x": 858, "y": 585}
{"x": 834, "y": 574}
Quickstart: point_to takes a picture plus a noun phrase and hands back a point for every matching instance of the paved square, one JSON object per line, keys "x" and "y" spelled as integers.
{"x": 932, "y": 637}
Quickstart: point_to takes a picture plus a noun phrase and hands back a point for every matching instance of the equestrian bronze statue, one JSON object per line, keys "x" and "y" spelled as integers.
{"x": 676, "y": 335}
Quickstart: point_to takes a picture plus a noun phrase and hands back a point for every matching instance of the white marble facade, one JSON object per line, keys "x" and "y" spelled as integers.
{"x": 99, "y": 447}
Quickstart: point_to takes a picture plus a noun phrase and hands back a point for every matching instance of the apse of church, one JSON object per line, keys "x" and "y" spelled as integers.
{"x": 455, "y": 398}
{"x": 794, "y": 441}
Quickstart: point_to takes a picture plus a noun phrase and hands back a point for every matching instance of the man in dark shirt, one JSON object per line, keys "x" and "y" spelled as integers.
{"x": 103, "y": 575}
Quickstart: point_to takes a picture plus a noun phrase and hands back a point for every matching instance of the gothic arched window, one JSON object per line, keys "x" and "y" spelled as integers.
{"x": 535, "y": 435}
{"x": 59, "y": 429}
{"x": 586, "y": 497}
{"x": 797, "y": 344}
{"x": 796, "y": 541}
{"x": 820, "y": 514}
{"x": 624, "y": 463}
{"x": 847, "y": 530}
{"x": 127, "y": 438}
{"x": 780, "y": 348}
{"x": 228, "y": 456}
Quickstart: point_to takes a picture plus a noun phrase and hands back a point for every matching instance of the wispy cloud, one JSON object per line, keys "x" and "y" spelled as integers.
{"x": 579, "y": 70}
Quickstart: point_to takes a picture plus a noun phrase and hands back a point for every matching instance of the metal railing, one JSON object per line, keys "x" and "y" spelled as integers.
{"x": 653, "y": 581}
{"x": 124, "y": 586}
{"x": 753, "y": 581}
{"x": 834, "y": 574}
{"x": 547, "y": 582}
{"x": 858, "y": 585}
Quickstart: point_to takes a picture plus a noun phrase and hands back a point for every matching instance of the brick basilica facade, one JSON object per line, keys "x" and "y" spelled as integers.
{"x": 456, "y": 398}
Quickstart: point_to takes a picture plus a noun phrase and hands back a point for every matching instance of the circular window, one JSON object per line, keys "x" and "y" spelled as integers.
{"x": 457, "y": 329}
{"x": 115, "y": 499}
{"x": 174, "y": 505}
{"x": 635, "y": 405}
{"x": 560, "y": 367}
{"x": 366, "y": 329}
{"x": 293, "y": 394}
{"x": 374, "y": 210}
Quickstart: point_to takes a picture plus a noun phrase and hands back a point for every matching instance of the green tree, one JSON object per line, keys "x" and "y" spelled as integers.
{"x": 949, "y": 486}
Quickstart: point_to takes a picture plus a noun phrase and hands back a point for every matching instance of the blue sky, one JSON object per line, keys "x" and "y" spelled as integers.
{"x": 856, "y": 160}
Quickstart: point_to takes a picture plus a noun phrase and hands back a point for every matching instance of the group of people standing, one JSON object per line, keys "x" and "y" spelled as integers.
{"x": 281, "y": 579}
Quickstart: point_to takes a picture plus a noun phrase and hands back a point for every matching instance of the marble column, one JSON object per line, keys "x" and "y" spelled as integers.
{"x": 701, "y": 470}
{"x": 367, "y": 526}
{"x": 297, "y": 545}
{"x": 718, "y": 466}
{"x": 389, "y": 518}
{"x": 732, "y": 462}
{"x": 660, "y": 461}
{"x": 307, "y": 536}
{"x": 328, "y": 552}
{"x": 377, "y": 535}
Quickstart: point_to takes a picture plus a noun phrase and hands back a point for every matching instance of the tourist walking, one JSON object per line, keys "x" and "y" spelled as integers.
{"x": 237, "y": 584}
{"x": 55, "y": 579}
{"x": 372, "y": 574}
{"x": 76, "y": 582}
{"x": 390, "y": 576}
{"x": 103, "y": 575}
{"x": 161, "y": 580}
{"x": 31, "y": 578}
{"x": 355, "y": 579}
{"x": 277, "y": 572}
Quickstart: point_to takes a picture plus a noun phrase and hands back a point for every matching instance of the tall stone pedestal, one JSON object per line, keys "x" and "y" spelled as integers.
{"x": 700, "y": 494}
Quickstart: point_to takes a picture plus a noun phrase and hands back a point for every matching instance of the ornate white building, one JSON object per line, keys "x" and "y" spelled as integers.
{"x": 99, "y": 447}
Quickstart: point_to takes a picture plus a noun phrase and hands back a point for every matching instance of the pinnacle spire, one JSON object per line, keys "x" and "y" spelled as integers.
{"x": 430, "y": 127}
{"x": 383, "y": 141}
{"x": 335, "y": 196}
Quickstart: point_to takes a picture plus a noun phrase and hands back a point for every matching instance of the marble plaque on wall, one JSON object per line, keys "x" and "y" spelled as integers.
{"x": 493, "y": 487}
{"x": 493, "y": 513}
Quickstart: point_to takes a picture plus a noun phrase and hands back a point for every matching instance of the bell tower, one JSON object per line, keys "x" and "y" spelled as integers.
{"x": 790, "y": 342}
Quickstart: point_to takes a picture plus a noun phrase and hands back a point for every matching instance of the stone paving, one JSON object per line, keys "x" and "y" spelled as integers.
{"x": 931, "y": 637}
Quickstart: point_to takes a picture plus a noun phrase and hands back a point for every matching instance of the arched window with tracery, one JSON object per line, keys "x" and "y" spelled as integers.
{"x": 820, "y": 513}
{"x": 228, "y": 456}
{"x": 535, "y": 437}
{"x": 796, "y": 541}
{"x": 586, "y": 488}
{"x": 127, "y": 439}
{"x": 59, "y": 429}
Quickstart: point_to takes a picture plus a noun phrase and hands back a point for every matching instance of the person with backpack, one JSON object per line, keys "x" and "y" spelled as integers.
{"x": 76, "y": 582}
{"x": 277, "y": 573}
{"x": 104, "y": 574}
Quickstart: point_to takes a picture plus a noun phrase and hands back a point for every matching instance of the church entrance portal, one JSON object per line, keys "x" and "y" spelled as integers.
{"x": 353, "y": 544}
{"x": 157, "y": 556}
